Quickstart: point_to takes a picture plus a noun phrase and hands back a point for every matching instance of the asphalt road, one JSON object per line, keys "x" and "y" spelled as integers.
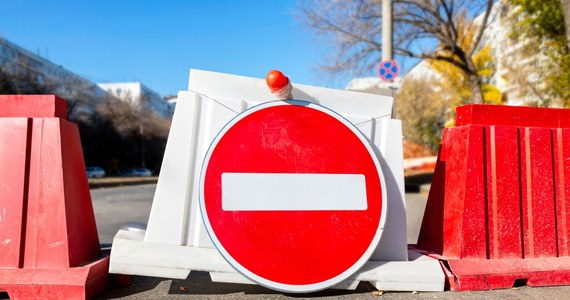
{"x": 115, "y": 207}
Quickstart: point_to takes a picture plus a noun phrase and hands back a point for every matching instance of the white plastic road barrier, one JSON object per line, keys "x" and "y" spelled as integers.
{"x": 176, "y": 241}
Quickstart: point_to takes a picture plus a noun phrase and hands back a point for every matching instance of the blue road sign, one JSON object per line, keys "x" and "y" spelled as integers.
{"x": 388, "y": 70}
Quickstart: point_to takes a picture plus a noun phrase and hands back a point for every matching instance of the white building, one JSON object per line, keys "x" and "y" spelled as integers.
{"x": 423, "y": 70}
{"x": 17, "y": 60}
{"x": 172, "y": 102}
{"x": 374, "y": 85}
{"x": 82, "y": 95}
{"x": 138, "y": 92}
{"x": 516, "y": 74}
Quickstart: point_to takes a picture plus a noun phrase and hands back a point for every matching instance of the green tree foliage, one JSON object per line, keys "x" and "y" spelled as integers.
{"x": 566, "y": 10}
{"x": 542, "y": 23}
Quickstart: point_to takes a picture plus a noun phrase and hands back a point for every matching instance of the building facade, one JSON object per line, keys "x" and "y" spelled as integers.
{"x": 82, "y": 95}
{"x": 137, "y": 92}
{"x": 516, "y": 69}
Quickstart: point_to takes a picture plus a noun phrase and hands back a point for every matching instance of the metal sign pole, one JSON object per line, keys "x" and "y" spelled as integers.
{"x": 386, "y": 30}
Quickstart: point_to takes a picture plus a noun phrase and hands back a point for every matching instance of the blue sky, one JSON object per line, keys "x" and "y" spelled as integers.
{"x": 157, "y": 42}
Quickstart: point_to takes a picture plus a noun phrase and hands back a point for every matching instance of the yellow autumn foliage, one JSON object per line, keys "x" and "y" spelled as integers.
{"x": 455, "y": 82}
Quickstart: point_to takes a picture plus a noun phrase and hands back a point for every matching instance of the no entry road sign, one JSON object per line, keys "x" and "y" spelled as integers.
{"x": 388, "y": 70}
{"x": 293, "y": 196}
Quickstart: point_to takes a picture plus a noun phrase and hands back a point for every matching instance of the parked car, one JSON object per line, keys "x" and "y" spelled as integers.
{"x": 136, "y": 172}
{"x": 95, "y": 172}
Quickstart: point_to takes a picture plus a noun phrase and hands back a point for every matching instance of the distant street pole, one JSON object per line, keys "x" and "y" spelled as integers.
{"x": 143, "y": 162}
{"x": 387, "y": 33}
{"x": 387, "y": 36}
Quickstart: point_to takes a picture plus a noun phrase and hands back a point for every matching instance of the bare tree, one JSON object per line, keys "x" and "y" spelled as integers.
{"x": 23, "y": 76}
{"x": 115, "y": 133}
{"x": 81, "y": 97}
{"x": 130, "y": 116}
{"x": 7, "y": 85}
{"x": 423, "y": 111}
{"x": 20, "y": 77}
{"x": 422, "y": 29}
{"x": 141, "y": 133}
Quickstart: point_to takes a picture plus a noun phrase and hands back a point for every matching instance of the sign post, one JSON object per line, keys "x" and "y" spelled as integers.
{"x": 293, "y": 196}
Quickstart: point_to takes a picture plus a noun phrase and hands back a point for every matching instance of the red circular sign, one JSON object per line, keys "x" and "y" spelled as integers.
{"x": 293, "y": 196}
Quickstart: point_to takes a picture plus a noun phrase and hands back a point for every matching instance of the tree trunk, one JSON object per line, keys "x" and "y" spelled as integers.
{"x": 476, "y": 91}
{"x": 566, "y": 10}
{"x": 474, "y": 81}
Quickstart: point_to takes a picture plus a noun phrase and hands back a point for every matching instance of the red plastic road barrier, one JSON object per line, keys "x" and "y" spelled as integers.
{"x": 36, "y": 106}
{"x": 49, "y": 246}
{"x": 498, "y": 211}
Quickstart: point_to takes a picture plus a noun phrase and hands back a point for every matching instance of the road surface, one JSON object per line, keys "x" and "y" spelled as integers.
{"x": 116, "y": 206}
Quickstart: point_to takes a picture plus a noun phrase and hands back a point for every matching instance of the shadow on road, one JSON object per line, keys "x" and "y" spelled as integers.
{"x": 200, "y": 283}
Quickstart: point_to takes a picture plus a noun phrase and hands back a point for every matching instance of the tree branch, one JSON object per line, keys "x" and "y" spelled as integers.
{"x": 482, "y": 28}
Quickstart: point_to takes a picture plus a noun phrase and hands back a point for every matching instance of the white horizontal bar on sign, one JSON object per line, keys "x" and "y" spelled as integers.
{"x": 293, "y": 192}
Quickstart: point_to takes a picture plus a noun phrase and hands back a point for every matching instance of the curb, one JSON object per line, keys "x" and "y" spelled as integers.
{"x": 418, "y": 182}
{"x": 96, "y": 183}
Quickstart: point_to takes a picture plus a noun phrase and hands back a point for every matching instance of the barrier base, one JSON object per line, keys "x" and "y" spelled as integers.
{"x": 74, "y": 283}
{"x": 132, "y": 255}
{"x": 486, "y": 274}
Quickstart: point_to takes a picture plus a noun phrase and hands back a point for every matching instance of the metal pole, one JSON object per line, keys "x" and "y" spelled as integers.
{"x": 387, "y": 36}
{"x": 387, "y": 30}
{"x": 143, "y": 161}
